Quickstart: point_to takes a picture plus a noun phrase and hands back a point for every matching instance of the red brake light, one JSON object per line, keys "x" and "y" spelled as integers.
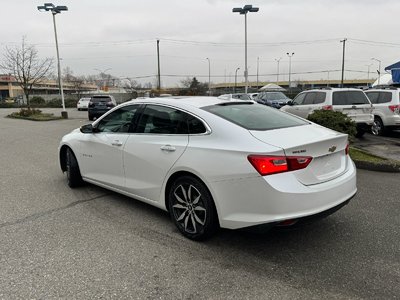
{"x": 267, "y": 165}
{"x": 327, "y": 107}
{"x": 347, "y": 149}
{"x": 394, "y": 108}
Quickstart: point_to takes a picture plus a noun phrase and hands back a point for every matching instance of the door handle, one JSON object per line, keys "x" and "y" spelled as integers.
{"x": 168, "y": 148}
{"x": 116, "y": 143}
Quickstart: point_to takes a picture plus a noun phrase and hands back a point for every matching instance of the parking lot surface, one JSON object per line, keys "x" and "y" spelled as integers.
{"x": 58, "y": 242}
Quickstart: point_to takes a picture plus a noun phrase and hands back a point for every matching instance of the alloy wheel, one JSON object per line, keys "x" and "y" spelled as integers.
{"x": 188, "y": 208}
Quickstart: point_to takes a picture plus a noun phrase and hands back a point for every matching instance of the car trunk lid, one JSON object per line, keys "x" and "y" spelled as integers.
{"x": 326, "y": 147}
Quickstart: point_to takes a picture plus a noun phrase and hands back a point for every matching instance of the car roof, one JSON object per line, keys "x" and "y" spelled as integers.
{"x": 333, "y": 89}
{"x": 186, "y": 102}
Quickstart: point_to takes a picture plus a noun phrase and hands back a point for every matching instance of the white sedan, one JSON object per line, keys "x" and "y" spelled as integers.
{"x": 83, "y": 104}
{"x": 214, "y": 163}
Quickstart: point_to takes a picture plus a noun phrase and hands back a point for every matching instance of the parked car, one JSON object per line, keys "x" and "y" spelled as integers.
{"x": 83, "y": 104}
{"x": 272, "y": 98}
{"x": 213, "y": 163}
{"x": 253, "y": 96}
{"x": 100, "y": 104}
{"x": 352, "y": 102}
{"x": 237, "y": 96}
{"x": 386, "y": 109}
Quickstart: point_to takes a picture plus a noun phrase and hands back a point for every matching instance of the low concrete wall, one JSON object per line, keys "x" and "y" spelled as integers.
{"x": 119, "y": 97}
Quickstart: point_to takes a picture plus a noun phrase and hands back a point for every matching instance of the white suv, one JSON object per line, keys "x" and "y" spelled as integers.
{"x": 352, "y": 102}
{"x": 386, "y": 109}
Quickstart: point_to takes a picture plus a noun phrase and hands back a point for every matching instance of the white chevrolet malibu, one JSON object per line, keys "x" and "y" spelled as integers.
{"x": 214, "y": 163}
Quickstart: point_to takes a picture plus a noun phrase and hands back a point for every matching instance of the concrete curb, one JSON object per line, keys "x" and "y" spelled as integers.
{"x": 387, "y": 166}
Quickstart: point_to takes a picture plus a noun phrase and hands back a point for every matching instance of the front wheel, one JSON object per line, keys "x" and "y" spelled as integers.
{"x": 192, "y": 209}
{"x": 73, "y": 173}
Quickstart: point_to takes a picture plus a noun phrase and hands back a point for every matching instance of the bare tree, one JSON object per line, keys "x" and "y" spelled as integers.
{"x": 131, "y": 86}
{"x": 26, "y": 66}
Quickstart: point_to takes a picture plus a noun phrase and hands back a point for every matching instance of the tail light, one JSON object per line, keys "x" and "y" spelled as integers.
{"x": 267, "y": 165}
{"x": 347, "y": 149}
{"x": 110, "y": 104}
{"x": 327, "y": 107}
{"x": 394, "y": 108}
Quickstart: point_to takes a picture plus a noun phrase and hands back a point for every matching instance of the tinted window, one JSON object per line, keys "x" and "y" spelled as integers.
{"x": 241, "y": 96}
{"x": 319, "y": 97}
{"x": 309, "y": 99}
{"x": 299, "y": 99}
{"x": 166, "y": 120}
{"x": 100, "y": 99}
{"x": 349, "y": 98}
{"x": 254, "y": 116}
{"x": 385, "y": 97}
{"x": 119, "y": 120}
{"x": 373, "y": 96}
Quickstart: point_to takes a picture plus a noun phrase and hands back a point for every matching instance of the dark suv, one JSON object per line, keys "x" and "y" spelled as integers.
{"x": 99, "y": 105}
{"x": 272, "y": 98}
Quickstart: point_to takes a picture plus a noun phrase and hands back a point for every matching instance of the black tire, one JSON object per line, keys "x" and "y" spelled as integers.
{"x": 360, "y": 133}
{"x": 192, "y": 208}
{"x": 73, "y": 173}
{"x": 378, "y": 128}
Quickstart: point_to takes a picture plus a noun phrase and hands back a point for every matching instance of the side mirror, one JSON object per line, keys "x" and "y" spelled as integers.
{"x": 88, "y": 128}
{"x": 291, "y": 103}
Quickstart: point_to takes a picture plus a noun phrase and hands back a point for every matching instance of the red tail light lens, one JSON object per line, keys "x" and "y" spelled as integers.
{"x": 347, "y": 149}
{"x": 327, "y": 107}
{"x": 394, "y": 108}
{"x": 267, "y": 165}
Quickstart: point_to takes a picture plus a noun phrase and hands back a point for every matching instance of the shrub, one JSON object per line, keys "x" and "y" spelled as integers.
{"x": 334, "y": 120}
{"x": 26, "y": 112}
{"x": 37, "y": 101}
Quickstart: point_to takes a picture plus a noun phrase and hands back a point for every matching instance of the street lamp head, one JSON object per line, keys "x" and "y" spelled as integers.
{"x": 247, "y": 8}
{"x": 51, "y": 7}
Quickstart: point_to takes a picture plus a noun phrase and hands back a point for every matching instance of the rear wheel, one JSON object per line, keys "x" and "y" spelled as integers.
{"x": 192, "y": 209}
{"x": 378, "y": 128}
{"x": 73, "y": 173}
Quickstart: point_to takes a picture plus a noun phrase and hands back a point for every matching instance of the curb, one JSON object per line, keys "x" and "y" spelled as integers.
{"x": 390, "y": 167}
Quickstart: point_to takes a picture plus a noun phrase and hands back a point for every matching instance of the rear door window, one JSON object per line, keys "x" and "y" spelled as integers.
{"x": 309, "y": 99}
{"x": 319, "y": 97}
{"x": 349, "y": 98}
{"x": 373, "y": 96}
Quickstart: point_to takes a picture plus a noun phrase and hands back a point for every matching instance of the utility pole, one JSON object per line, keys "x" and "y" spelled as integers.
{"x": 158, "y": 60}
{"x": 344, "y": 49}
{"x": 277, "y": 73}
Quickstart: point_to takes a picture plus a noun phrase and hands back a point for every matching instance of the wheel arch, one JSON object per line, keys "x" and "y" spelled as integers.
{"x": 181, "y": 173}
{"x": 63, "y": 157}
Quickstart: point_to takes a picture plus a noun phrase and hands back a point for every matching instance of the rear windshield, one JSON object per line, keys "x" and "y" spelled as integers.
{"x": 254, "y": 116}
{"x": 100, "y": 99}
{"x": 349, "y": 98}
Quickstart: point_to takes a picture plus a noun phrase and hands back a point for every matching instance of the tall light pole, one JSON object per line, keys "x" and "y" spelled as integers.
{"x": 57, "y": 10}
{"x": 344, "y": 50}
{"x": 290, "y": 66}
{"x": 379, "y": 69}
{"x": 369, "y": 65}
{"x": 277, "y": 73}
{"x": 244, "y": 11}
{"x": 209, "y": 77}
{"x": 237, "y": 69}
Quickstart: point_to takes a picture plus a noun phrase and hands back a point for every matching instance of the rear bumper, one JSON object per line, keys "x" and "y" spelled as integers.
{"x": 275, "y": 198}
{"x": 393, "y": 121}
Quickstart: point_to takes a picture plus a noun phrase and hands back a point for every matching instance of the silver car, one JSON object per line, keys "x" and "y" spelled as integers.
{"x": 352, "y": 102}
{"x": 386, "y": 109}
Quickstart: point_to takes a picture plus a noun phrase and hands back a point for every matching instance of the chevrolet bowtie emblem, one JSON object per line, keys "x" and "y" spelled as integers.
{"x": 332, "y": 149}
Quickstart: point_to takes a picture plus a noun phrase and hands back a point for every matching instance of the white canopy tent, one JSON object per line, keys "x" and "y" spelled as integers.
{"x": 272, "y": 87}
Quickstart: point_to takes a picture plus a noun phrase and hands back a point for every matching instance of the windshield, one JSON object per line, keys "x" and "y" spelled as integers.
{"x": 101, "y": 99}
{"x": 272, "y": 96}
{"x": 254, "y": 116}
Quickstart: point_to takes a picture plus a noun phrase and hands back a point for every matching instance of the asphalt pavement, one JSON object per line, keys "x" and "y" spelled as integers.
{"x": 89, "y": 243}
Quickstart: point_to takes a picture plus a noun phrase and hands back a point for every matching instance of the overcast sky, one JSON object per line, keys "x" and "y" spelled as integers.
{"x": 121, "y": 35}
